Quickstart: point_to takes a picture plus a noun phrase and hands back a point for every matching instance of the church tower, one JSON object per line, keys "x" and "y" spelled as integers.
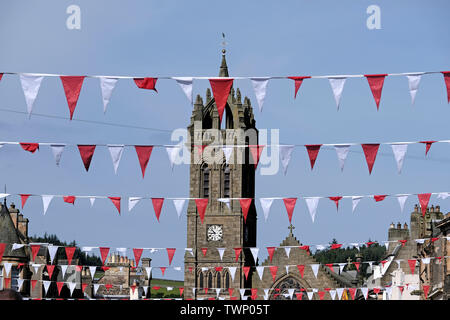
{"x": 213, "y": 178}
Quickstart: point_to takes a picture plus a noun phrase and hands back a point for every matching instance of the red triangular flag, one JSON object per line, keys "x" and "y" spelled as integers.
{"x": 370, "y": 243}
{"x": 447, "y": 83}
{"x": 204, "y": 250}
{"x": 200, "y": 149}
{"x": 428, "y": 145}
{"x": 298, "y": 83}
{"x": 380, "y": 197}
{"x": 246, "y": 271}
{"x": 376, "y": 290}
{"x": 245, "y": 205}
{"x": 299, "y": 295}
{"x": 254, "y": 293}
{"x": 289, "y": 203}
{"x": 190, "y": 269}
{"x": 402, "y": 242}
{"x": 424, "y": 198}
{"x": 181, "y": 291}
{"x": 33, "y": 283}
{"x": 30, "y": 147}
{"x": 104, "y": 253}
{"x": 170, "y": 253}
{"x": 273, "y": 271}
{"x": 59, "y": 285}
{"x": 105, "y": 268}
{"x": 69, "y": 253}
{"x": 79, "y": 268}
{"x": 83, "y": 286}
{"x": 401, "y": 288}
{"x": 412, "y": 265}
{"x": 230, "y": 291}
{"x": 426, "y": 289}
{"x": 352, "y": 292}
{"x": 218, "y": 269}
{"x": 336, "y": 201}
{"x": 335, "y": 246}
{"x": 108, "y": 286}
{"x": 34, "y": 250}
{"x": 2, "y": 250}
{"x": 7, "y": 282}
{"x": 86, "y": 153}
{"x": 201, "y": 207}
{"x": 357, "y": 265}
{"x": 376, "y": 85}
{"x": 72, "y": 87}
{"x": 143, "y": 153}
{"x": 1, "y": 76}
{"x": 383, "y": 262}
{"x": 116, "y": 202}
{"x": 69, "y": 199}
{"x": 301, "y": 269}
{"x": 146, "y": 83}
{"x": 163, "y": 269}
{"x": 370, "y": 152}
{"x": 434, "y": 239}
{"x": 50, "y": 269}
{"x": 330, "y": 265}
{"x": 321, "y": 294}
{"x": 157, "y": 205}
{"x": 24, "y": 198}
{"x": 221, "y": 90}
{"x": 256, "y": 151}
{"x": 237, "y": 252}
{"x": 206, "y": 290}
{"x": 313, "y": 151}
{"x": 271, "y": 250}
{"x": 137, "y": 254}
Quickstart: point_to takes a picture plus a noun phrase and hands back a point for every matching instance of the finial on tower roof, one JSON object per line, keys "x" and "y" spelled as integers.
{"x": 223, "y": 66}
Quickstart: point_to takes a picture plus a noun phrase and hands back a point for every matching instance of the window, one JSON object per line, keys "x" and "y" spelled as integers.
{"x": 205, "y": 181}
{"x": 200, "y": 280}
{"x": 226, "y": 181}
{"x": 227, "y": 280}
{"x": 14, "y": 278}
{"x": 210, "y": 285}
{"x": 219, "y": 282}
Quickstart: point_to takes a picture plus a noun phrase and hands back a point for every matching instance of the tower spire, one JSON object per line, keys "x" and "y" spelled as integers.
{"x": 223, "y": 72}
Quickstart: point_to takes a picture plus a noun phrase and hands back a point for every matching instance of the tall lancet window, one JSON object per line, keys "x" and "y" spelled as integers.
{"x": 205, "y": 181}
{"x": 226, "y": 182}
{"x": 219, "y": 282}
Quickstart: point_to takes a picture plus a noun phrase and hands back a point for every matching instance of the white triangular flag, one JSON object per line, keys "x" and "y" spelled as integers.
{"x": 341, "y": 266}
{"x": 398, "y": 262}
{"x": 365, "y": 291}
{"x": 285, "y": 156}
{"x": 355, "y": 201}
{"x": 260, "y": 271}
{"x": 52, "y": 252}
{"x": 315, "y": 269}
{"x": 92, "y": 271}
{"x": 190, "y": 251}
{"x": 217, "y": 292}
{"x": 287, "y": 269}
{"x": 355, "y": 244}
{"x": 340, "y": 291}
{"x": 388, "y": 292}
{"x": 386, "y": 244}
{"x": 145, "y": 290}
{"x": 225, "y": 200}
{"x": 287, "y": 250}
{"x": 221, "y": 251}
{"x": 20, "y": 283}
{"x": 16, "y": 246}
{"x": 342, "y": 152}
{"x": 266, "y": 203}
{"x": 312, "y": 203}
{"x": 92, "y": 200}
{"x": 310, "y": 295}
{"x": 30, "y": 86}
{"x": 186, "y": 85}
{"x": 232, "y": 271}
{"x": 443, "y": 195}
{"x": 399, "y": 151}
{"x": 179, "y": 204}
{"x": 116, "y": 154}
{"x": 46, "y": 199}
{"x": 177, "y": 268}
{"x": 63, "y": 269}
{"x": 149, "y": 271}
{"x": 320, "y": 247}
{"x": 96, "y": 286}
{"x": 107, "y": 86}
{"x": 426, "y": 260}
{"x": 337, "y": 85}
{"x": 242, "y": 291}
{"x": 421, "y": 241}
{"x": 260, "y": 87}
{"x": 332, "y": 294}
{"x": 266, "y": 294}
{"x": 254, "y": 252}
{"x": 46, "y": 284}
{"x": 413, "y": 82}
{"x": 369, "y": 268}
{"x": 172, "y": 152}
{"x": 132, "y": 201}
{"x": 227, "y": 151}
{"x": 401, "y": 201}
{"x": 7, "y": 266}
{"x": 57, "y": 150}
{"x": 291, "y": 292}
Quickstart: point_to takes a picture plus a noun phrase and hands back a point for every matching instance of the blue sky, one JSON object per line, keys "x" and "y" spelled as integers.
{"x": 265, "y": 38}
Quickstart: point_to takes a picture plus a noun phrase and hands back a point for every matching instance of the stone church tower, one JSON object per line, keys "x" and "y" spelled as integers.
{"x": 212, "y": 177}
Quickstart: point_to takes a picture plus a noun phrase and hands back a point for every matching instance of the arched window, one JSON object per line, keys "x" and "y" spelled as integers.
{"x": 219, "y": 280}
{"x": 226, "y": 181}
{"x": 210, "y": 285}
{"x": 205, "y": 181}
{"x": 227, "y": 280}
{"x": 200, "y": 280}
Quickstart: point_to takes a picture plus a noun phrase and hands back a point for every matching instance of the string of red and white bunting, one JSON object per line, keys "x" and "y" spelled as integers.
{"x": 244, "y": 203}
{"x": 86, "y": 151}
{"x": 72, "y": 85}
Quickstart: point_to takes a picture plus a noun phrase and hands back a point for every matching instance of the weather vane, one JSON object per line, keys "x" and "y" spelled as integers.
{"x": 224, "y": 43}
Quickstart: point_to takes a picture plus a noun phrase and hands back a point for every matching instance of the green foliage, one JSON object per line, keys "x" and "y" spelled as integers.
{"x": 61, "y": 255}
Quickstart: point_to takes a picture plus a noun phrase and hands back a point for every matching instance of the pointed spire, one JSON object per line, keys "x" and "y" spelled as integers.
{"x": 223, "y": 72}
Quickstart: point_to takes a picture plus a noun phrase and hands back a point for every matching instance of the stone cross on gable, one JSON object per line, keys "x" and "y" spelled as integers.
{"x": 349, "y": 261}
{"x": 291, "y": 227}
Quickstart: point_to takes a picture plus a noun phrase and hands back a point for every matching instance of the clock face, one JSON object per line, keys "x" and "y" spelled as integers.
{"x": 215, "y": 232}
